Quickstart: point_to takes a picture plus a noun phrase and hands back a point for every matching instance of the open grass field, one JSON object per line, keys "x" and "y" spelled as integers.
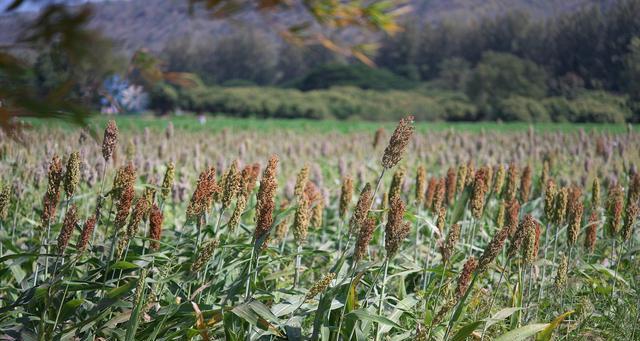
{"x": 322, "y": 230}
{"x": 216, "y": 123}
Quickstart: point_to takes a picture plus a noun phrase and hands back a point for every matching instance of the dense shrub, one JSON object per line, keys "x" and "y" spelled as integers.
{"x": 427, "y": 104}
{"x": 592, "y": 106}
{"x": 502, "y": 75}
{"x": 524, "y": 109}
{"x": 358, "y": 75}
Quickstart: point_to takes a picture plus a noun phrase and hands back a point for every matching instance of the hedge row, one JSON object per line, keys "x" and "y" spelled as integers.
{"x": 353, "y": 103}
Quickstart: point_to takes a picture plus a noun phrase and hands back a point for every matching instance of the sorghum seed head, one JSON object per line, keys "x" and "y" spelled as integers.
{"x": 451, "y": 185}
{"x": 361, "y": 210}
{"x": 615, "y": 206}
{"x": 377, "y": 138}
{"x": 549, "y": 200}
{"x": 266, "y": 200}
{"x": 110, "y": 140}
{"x": 465, "y": 277}
{"x": 592, "y": 232}
{"x": 72, "y": 175}
{"x": 478, "y": 195}
{"x": 364, "y": 237}
{"x": 488, "y": 176}
{"x": 631, "y": 214}
{"x": 525, "y": 184}
{"x": 561, "y": 275}
{"x": 471, "y": 173}
{"x": 52, "y": 196}
{"x": 595, "y": 193}
{"x": 301, "y": 221}
{"x": 576, "y": 209}
{"x": 346, "y": 194}
{"x": 536, "y": 246}
{"x": 312, "y": 193}
{"x": 155, "y": 226}
{"x": 438, "y": 196}
{"x": 512, "y": 182}
{"x": 519, "y": 236}
{"x": 441, "y": 220}
{"x": 301, "y": 181}
{"x": 461, "y": 177}
{"x": 68, "y": 225}
{"x": 202, "y": 197}
{"x": 125, "y": 177}
{"x": 544, "y": 177}
{"x": 130, "y": 150}
{"x": 421, "y": 183}
{"x": 139, "y": 211}
{"x": 149, "y": 194}
{"x": 493, "y": 249}
{"x": 5, "y": 194}
{"x": 513, "y": 212}
{"x": 450, "y": 243}
{"x": 317, "y": 213}
{"x": 320, "y": 286}
{"x": 634, "y": 189}
{"x": 431, "y": 191}
{"x": 204, "y": 256}
{"x": 398, "y": 142}
{"x": 529, "y": 247}
{"x": 561, "y": 201}
{"x": 231, "y": 184}
{"x": 396, "y": 229}
{"x": 395, "y": 189}
{"x": 87, "y": 231}
{"x": 167, "y": 182}
{"x": 234, "y": 221}
{"x": 123, "y": 207}
{"x": 498, "y": 182}
{"x": 249, "y": 176}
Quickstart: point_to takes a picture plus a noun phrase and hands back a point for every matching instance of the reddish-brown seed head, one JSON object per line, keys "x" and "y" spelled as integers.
{"x": 398, "y": 142}
{"x": 87, "y": 231}
{"x": 155, "y": 226}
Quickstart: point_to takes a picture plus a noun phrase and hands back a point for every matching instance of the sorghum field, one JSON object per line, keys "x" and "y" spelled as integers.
{"x": 172, "y": 233}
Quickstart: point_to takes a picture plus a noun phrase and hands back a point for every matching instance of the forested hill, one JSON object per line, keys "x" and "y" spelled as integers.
{"x": 155, "y": 23}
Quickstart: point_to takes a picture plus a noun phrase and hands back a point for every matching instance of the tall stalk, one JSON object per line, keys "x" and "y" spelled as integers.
{"x": 381, "y": 300}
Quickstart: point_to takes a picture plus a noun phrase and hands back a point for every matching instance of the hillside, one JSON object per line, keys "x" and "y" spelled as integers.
{"x": 154, "y": 23}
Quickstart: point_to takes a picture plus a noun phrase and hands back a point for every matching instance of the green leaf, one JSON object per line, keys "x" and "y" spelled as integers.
{"x": 18, "y": 273}
{"x": 247, "y": 313}
{"x": 366, "y": 316}
{"x": 402, "y": 307}
{"x": 522, "y": 332}
{"x": 263, "y": 311}
{"x": 70, "y": 307}
{"x": 612, "y": 274}
{"x": 132, "y": 326}
{"x": 123, "y": 265}
{"x": 465, "y": 331}
{"x": 547, "y": 333}
{"x": 500, "y": 315}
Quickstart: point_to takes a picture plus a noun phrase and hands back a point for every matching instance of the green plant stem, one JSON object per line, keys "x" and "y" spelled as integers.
{"x": 247, "y": 292}
{"x": 495, "y": 294}
{"x": 298, "y": 265}
{"x": 382, "y": 298}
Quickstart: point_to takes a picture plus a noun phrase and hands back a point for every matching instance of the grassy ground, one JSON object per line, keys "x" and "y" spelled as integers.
{"x": 216, "y": 123}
